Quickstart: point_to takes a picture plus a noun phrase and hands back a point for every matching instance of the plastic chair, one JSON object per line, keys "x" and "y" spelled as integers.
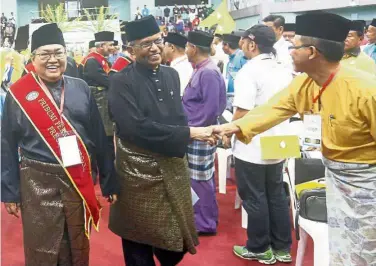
{"x": 300, "y": 171}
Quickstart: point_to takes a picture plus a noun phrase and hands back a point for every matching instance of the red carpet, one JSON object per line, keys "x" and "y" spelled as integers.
{"x": 106, "y": 247}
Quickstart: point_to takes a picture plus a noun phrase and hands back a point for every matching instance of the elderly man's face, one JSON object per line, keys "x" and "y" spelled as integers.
{"x": 301, "y": 54}
{"x": 353, "y": 40}
{"x": 50, "y": 62}
{"x": 148, "y": 51}
{"x": 371, "y": 34}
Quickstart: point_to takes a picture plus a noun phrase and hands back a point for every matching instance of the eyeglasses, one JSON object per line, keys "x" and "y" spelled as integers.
{"x": 300, "y": 46}
{"x": 47, "y": 56}
{"x": 148, "y": 45}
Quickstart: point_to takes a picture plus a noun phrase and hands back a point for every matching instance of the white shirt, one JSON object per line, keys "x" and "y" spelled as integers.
{"x": 184, "y": 69}
{"x": 256, "y": 82}
{"x": 283, "y": 53}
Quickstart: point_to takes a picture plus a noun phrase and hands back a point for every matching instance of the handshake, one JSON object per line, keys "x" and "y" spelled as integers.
{"x": 212, "y": 134}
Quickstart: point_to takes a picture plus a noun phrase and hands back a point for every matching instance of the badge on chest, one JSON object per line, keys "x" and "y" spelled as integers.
{"x": 70, "y": 152}
{"x": 312, "y": 130}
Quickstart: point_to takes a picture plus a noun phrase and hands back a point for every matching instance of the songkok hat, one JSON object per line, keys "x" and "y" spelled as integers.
{"x": 231, "y": 38}
{"x": 218, "y": 35}
{"x": 92, "y": 44}
{"x": 358, "y": 25}
{"x": 22, "y": 39}
{"x": 176, "y": 39}
{"x": 261, "y": 34}
{"x": 104, "y": 36}
{"x": 142, "y": 28}
{"x": 45, "y": 35}
{"x": 289, "y": 27}
{"x": 200, "y": 38}
{"x": 238, "y": 33}
{"x": 373, "y": 23}
{"x": 323, "y": 25}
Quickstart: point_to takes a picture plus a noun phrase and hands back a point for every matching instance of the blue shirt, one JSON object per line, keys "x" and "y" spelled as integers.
{"x": 235, "y": 63}
{"x": 370, "y": 50}
{"x": 145, "y": 12}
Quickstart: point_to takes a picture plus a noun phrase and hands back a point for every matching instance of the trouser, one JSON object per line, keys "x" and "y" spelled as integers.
{"x": 52, "y": 217}
{"x": 264, "y": 199}
{"x": 136, "y": 254}
{"x": 206, "y": 208}
{"x": 111, "y": 147}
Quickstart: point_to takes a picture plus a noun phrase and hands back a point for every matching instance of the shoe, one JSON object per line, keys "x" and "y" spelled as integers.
{"x": 266, "y": 257}
{"x": 282, "y": 256}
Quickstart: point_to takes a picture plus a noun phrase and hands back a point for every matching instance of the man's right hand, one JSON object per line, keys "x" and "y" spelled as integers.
{"x": 12, "y": 208}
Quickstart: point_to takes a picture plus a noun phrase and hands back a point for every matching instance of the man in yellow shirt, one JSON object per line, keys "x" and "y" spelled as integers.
{"x": 354, "y": 57}
{"x": 345, "y": 100}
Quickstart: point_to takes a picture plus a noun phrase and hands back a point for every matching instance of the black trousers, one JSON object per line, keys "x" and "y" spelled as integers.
{"x": 136, "y": 254}
{"x": 264, "y": 199}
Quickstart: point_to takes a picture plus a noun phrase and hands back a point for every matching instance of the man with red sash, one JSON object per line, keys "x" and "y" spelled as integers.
{"x": 54, "y": 120}
{"x": 83, "y": 61}
{"x": 95, "y": 72}
{"x": 124, "y": 59}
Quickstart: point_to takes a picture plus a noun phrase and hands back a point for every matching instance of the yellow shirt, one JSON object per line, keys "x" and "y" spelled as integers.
{"x": 362, "y": 62}
{"x": 348, "y": 112}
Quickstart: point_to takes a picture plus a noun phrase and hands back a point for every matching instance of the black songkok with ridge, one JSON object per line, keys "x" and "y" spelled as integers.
{"x": 323, "y": 25}
{"x": 45, "y": 35}
{"x": 176, "y": 39}
{"x": 141, "y": 28}
{"x": 200, "y": 38}
{"x": 104, "y": 36}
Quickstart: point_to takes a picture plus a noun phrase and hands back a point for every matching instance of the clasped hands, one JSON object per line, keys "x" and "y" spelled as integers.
{"x": 212, "y": 134}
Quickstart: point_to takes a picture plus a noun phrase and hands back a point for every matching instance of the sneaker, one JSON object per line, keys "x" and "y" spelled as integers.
{"x": 266, "y": 257}
{"x": 282, "y": 256}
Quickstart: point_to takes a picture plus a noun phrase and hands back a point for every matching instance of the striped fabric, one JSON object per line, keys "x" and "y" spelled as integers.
{"x": 201, "y": 160}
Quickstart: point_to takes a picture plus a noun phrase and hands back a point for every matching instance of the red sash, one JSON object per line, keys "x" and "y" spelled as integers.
{"x": 30, "y": 68}
{"x": 120, "y": 63}
{"x": 44, "y": 115}
{"x": 101, "y": 60}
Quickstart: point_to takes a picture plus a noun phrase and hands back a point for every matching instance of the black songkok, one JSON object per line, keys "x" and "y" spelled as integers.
{"x": 176, "y": 39}
{"x": 141, "y": 28}
{"x": 200, "y": 38}
{"x": 104, "y": 36}
{"x": 45, "y": 35}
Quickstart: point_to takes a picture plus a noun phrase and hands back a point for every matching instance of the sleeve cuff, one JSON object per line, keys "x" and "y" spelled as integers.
{"x": 244, "y": 135}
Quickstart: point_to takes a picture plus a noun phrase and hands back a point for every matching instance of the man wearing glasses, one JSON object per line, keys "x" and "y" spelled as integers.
{"x": 154, "y": 214}
{"x": 54, "y": 120}
{"x": 341, "y": 102}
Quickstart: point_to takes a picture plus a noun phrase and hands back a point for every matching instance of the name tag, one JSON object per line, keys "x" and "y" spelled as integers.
{"x": 70, "y": 153}
{"x": 312, "y": 130}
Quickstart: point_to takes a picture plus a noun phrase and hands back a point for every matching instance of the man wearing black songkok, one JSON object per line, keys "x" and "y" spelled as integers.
{"x": 154, "y": 213}
{"x": 342, "y": 101}
{"x": 56, "y": 195}
{"x": 96, "y": 71}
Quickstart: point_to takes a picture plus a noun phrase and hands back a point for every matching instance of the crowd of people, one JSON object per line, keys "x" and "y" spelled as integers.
{"x": 180, "y": 18}
{"x": 8, "y": 30}
{"x": 145, "y": 122}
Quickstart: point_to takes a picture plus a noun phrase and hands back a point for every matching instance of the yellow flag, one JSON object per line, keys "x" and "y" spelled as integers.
{"x": 222, "y": 17}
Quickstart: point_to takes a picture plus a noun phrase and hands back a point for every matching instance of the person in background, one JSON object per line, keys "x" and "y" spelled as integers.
{"x": 165, "y": 32}
{"x": 277, "y": 23}
{"x": 174, "y": 52}
{"x": 348, "y": 131}
{"x": 167, "y": 12}
{"x": 95, "y": 73}
{"x": 239, "y": 33}
{"x": 218, "y": 55}
{"x": 145, "y": 11}
{"x": 137, "y": 14}
{"x": 353, "y": 56}
{"x": 370, "y": 48}
{"x": 210, "y": 10}
{"x": 114, "y": 53}
{"x": 289, "y": 31}
{"x": 176, "y": 12}
{"x": 8, "y": 70}
{"x": 204, "y": 100}
{"x": 179, "y": 26}
{"x": 158, "y": 12}
{"x": 56, "y": 197}
{"x": 196, "y": 22}
{"x": 126, "y": 57}
{"x": 260, "y": 182}
{"x": 235, "y": 63}
{"x": 154, "y": 215}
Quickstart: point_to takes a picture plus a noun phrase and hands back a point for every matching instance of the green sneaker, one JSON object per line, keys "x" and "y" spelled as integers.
{"x": 282, "y": 256}
{"x": 266, "y": 257}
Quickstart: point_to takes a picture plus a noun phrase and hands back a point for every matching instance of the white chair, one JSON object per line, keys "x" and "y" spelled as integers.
{"x": 300, "y": 171}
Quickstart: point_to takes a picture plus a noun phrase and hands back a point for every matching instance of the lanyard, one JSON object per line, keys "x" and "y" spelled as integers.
{"x": 62, "y": 99}
{"x": 326, "y": 84}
